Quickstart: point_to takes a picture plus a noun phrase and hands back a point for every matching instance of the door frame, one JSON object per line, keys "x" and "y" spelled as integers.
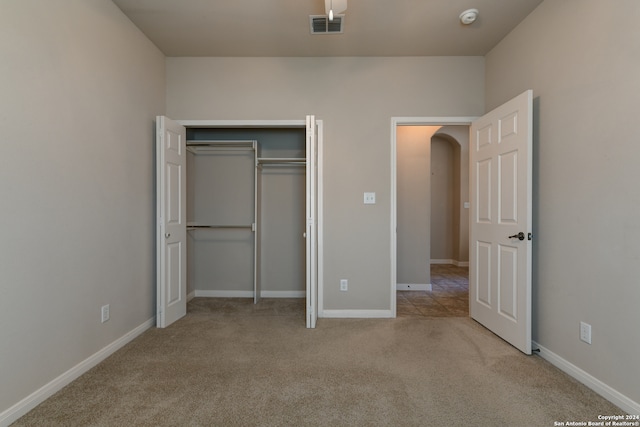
{"x": 408, "y": 121}
{"x": 300, "y": 123}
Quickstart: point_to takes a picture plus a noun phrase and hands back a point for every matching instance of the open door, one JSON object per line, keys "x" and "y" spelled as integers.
{"x": 171, "y": 239}
{"x": 500, "y": 153}
{"x": 311, "y": 232}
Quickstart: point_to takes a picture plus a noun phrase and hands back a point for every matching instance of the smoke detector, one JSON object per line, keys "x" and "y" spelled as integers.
{"x": 469, "y": 16}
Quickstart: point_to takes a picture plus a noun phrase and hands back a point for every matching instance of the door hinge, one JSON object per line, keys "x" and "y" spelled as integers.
{"x": 529, "y": 236}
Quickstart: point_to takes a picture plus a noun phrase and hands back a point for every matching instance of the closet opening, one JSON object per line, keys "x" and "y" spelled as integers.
{"x": 246, "y": 201}
{"x": 252, "y": 216}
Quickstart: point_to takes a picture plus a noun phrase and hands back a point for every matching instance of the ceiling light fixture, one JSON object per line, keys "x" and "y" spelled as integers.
{"x": 334, "y": 7}
{"x": 469, "y": 16}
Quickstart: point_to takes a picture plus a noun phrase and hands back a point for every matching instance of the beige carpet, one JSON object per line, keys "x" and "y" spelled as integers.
{"x": 230, "y": 363}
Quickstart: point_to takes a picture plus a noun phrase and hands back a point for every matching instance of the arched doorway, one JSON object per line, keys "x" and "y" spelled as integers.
{"x": 449, "y": 193}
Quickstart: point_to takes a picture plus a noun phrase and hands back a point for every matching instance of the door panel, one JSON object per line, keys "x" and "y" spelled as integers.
{"x": 483, "y": 273}
{"x": 172, "y": 227}
{"x": 500, "y": 262}
{"x": 174, "y": 267}
{"x": 508, "y": 181}
{"x": 507, "y": 289}
{"x": 312, "y": 226}
{"x": 173, "y": 179}
{"x": 484, "y": 192}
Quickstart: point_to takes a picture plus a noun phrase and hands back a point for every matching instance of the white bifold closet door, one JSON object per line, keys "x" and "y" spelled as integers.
{"x": 312, "y": 221}
{"x": 171, "y": 238}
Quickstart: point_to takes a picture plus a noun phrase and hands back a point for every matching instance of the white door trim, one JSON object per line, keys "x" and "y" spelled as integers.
{"x": 319, "y": 162}
{"x": 408, "y": 121}
{"x": 244, "y": 123}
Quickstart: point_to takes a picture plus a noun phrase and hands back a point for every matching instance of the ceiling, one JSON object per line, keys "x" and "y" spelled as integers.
{"x": 281, "y": 27}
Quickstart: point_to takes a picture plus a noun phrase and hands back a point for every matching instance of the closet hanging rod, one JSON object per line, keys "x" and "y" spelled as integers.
{"x": 268, "y": 160}
{"x": 221, "y": 143}
{"x": 290, "y": 164}
{"x": 217, "y": 226}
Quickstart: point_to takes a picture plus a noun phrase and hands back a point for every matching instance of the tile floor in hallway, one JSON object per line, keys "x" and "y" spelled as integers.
{"x": 449, "y": 297}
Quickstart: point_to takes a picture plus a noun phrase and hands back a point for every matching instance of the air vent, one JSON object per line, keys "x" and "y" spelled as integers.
{"x": 320, "y": 24}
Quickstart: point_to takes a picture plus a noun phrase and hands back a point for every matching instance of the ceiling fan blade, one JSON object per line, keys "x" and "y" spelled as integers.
{"x": 339, "y": 6}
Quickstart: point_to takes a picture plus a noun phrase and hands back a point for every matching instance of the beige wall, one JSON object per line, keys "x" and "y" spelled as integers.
{"x": 444, "y": 195}
{"x": 80, "y": 87}
{"x": 356, "y": 99}
{"x": 582, "y": 60}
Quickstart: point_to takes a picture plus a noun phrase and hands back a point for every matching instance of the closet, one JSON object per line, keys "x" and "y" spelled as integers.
{"x": 246, "y": 212}
{"x": 237, "y": 211}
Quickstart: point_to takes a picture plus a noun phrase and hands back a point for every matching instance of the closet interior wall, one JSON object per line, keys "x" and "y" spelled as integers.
{"x": 227, "y": 189}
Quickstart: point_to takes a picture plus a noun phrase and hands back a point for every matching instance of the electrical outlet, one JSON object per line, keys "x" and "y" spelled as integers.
{"x": 369, "y": 198}
{"x": 105, "y": 313}
{"x": 585, "y": 332}
{"x": 344, "y": 285}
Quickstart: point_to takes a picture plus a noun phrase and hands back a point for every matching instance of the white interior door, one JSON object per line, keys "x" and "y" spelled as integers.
{"x": 171, "y": 240}
{"x": 311, "y": 232}
{"x": 500, "y": 253}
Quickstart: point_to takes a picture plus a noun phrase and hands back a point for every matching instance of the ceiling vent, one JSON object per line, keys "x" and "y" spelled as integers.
{"x": 320, "y": 24}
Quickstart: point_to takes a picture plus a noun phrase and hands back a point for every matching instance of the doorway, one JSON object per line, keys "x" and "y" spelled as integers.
{"x": 449, "y": 129}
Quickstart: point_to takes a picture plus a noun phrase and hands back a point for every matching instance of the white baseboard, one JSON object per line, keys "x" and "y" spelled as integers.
{"x": 224, "y": 294}
{"x": 450, "y": 261}
{"x": 414, "y": 287}
{"x": 612, "y": 395}
{"x": 191, "y": 295}
{"x": 356, "y": 314}
{"x": 249, "y": 294}
{"x": 43, "y": 393}
{"x": 283, "y": 294}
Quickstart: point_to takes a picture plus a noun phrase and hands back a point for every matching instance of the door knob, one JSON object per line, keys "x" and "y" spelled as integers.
{"x": 167, "y": 235}
{"x": 520, "y": 236}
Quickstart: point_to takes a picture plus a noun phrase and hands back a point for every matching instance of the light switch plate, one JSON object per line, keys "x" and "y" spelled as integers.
{"x": 369, "y": 198}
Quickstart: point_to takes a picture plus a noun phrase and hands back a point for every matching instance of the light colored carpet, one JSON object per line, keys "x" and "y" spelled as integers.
{"x": 229, "y": 363}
